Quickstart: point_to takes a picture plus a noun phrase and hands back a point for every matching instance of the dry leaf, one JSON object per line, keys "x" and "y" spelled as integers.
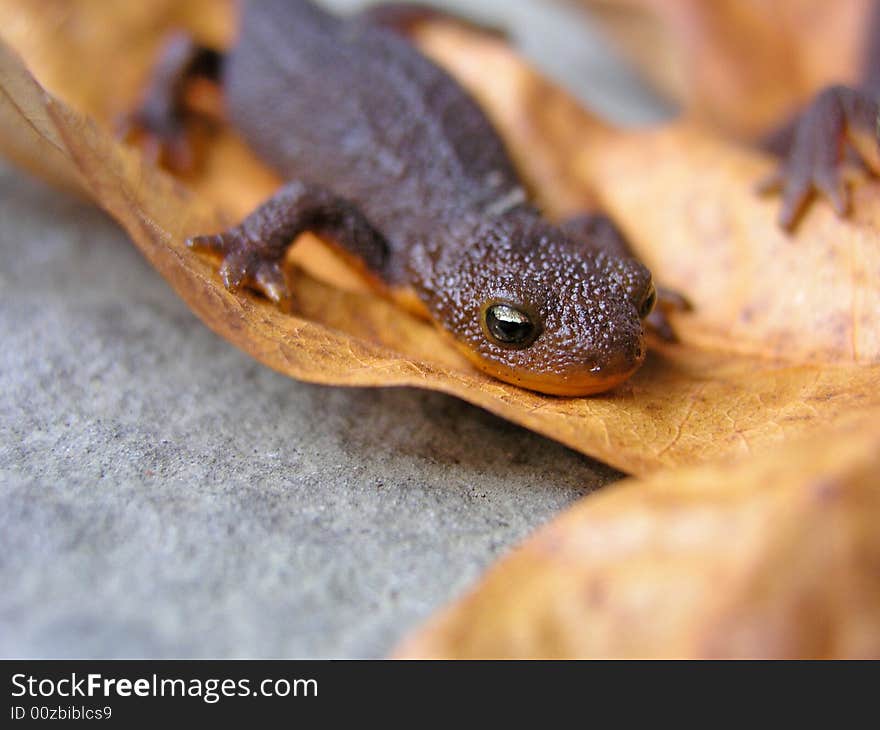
{"x": 741, "y": 66}
{"x": 770, "y": 353}
{"x": 776, "y": 557}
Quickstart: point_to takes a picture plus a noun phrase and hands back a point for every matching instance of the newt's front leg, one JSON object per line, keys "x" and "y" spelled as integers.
{"x": 816, "y": 149}
{"x": 253, "y": 251}
{"x": 159, "y": 122}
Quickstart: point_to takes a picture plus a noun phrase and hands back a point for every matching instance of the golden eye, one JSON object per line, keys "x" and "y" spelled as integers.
{"x": 509, "y": 326}
{"x": 648, "y": 302}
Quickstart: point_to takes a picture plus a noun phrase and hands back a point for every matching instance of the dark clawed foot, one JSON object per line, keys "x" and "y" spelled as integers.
{"x": 814, "y": 162}
{"x": 246, "y": 263}
{"x": 667, "y": 301}
{"x": 159, "y": 124}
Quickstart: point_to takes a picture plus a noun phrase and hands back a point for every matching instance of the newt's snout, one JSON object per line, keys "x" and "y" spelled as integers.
{"x": 569, "y": 330}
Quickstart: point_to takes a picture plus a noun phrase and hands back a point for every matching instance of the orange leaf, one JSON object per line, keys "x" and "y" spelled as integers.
{"x": 772, "y": 558}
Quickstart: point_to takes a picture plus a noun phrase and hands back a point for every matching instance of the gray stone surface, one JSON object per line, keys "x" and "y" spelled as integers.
{"x": 162, "y": 494}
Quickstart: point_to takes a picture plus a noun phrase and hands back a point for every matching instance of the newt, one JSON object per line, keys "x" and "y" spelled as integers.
{"x": 395, "y": 165}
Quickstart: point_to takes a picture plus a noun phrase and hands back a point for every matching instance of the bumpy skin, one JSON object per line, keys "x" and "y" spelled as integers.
{"x": 413, "y": 181}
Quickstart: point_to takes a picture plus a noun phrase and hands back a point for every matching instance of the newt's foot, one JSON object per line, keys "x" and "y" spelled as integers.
{"x": 657, "y": 321}
{"x": 814, "y": 161}
{"x": 247, "y": 262}
{"x": 159, "y": 125}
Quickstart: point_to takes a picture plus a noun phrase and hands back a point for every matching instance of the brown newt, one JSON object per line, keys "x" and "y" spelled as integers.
{"x": 399, "y": 169}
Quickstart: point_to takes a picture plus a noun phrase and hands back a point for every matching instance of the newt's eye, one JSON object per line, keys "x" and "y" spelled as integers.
{"x": 509, "y": 326}
{"x": 648, "y": 302}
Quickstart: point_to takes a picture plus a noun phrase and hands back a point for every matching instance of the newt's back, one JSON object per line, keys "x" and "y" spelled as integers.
{"x": 356, "y": 108}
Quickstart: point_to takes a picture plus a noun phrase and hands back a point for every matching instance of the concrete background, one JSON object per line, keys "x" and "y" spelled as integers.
{"x": 163, "y": 495}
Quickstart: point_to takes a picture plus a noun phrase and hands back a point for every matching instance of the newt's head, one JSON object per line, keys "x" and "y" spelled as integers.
{"x": 531, "y": 307}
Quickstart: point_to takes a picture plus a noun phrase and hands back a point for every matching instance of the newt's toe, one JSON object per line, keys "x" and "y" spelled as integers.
{"x": 795, "y": 195}
{"x": 270, "y": 280}
{"x": 213, "y": 243}
{"x": 236, "y": 268}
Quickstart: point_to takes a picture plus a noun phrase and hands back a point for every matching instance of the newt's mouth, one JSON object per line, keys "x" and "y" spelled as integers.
{"x": 589, "y": 381}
